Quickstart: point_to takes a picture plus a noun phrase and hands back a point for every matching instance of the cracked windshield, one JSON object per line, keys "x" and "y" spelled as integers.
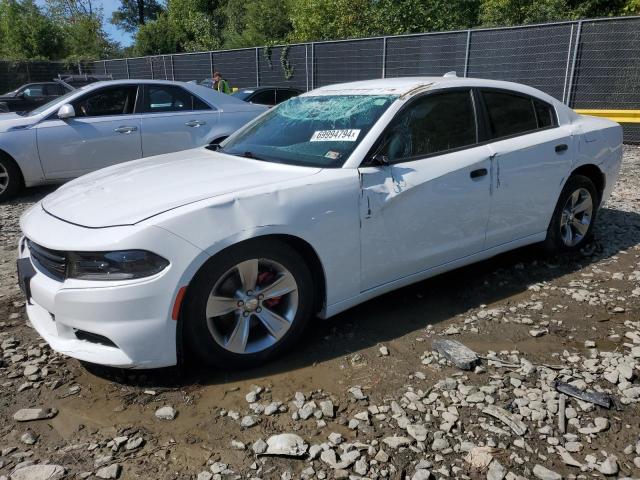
{"x": 316, "y": 131}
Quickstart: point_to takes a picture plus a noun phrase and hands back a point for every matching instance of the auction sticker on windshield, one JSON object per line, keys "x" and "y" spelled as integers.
{"x": 346, "y": 135}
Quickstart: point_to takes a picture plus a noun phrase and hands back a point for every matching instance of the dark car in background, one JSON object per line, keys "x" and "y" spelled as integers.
{"x": 32, "y": 95}
{"x": 267, "y": 95}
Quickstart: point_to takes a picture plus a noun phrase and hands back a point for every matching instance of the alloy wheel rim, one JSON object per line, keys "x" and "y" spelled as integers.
{"x": 576, "y": 217}
{"x": 4, "y": 178}
{"x": 252, "y": 306}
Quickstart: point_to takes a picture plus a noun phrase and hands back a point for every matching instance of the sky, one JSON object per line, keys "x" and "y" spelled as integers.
{"x": 119, "y": 36}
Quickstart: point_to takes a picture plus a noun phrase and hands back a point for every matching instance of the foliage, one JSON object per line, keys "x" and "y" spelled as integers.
{"x": 26, "y": 33}
{"x": 157, "y": 37}
{"x": 131, "y": 14}
{"x": 515, "y": 12}
{"x": 254, "y": 22}
{"x": 81, "y": 24}
{"x": 185, "y": 26}
{"x": 287, "y": 68}
{"x": 73, "y": 29}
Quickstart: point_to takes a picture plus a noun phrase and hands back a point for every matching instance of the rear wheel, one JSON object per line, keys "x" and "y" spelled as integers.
{"x": 248, "y": 304}
{"x": 10, "y": 178}
{"x": 574, "y": 216}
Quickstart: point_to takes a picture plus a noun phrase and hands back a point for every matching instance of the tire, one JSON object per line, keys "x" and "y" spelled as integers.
{"x": 212, "y": 332}
{"x": 571, "y": 226}
{"x": 10, "y": 178}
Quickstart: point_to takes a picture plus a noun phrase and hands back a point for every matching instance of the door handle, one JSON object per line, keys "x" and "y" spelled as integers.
{"x": 480, "y": 172}
{"x": 562, "y": 147}
{"x": 125, "y": 129}
{"x": 195, "y": 123}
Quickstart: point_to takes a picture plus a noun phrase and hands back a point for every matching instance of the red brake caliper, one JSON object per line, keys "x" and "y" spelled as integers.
{"x": 266, "y": 278}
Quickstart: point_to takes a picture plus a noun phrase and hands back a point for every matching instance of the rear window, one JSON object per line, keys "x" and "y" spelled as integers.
{"x": 512, "y": 114}
{"x": 544, "y": 114}
{"x": 509, "y": 114}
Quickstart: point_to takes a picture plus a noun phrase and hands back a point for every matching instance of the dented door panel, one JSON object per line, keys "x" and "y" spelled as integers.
{"x": 529, "y": 175}
{"x": 420, "y": 214}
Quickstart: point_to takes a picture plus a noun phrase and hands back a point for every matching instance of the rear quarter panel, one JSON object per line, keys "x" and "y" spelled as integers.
{"x": 600, "y": 143}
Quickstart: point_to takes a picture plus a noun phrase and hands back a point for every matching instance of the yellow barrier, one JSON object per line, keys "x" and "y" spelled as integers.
{"x": 620, "y": 116}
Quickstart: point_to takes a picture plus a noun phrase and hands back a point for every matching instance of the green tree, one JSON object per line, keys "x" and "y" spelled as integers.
{"x": 131, "y": 14}
{"x": 81, "y": 25}
{"x": 324, "y": 20}
{"x": 26, "y": 33}
{"x": 157, "y": 37}
{"x": 255, "y": 22}
{"x": 519, "y": 12}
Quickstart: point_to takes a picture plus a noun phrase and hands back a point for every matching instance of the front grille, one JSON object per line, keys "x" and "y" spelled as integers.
{"x": 50, "y": 262}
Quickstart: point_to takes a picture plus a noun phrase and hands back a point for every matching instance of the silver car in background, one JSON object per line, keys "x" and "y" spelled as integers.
{"x": 106, "y": 123}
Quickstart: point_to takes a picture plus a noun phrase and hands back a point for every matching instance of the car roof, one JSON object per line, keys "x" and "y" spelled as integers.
{"x": 408, "y": 86}
{"x": 213, "y": 97}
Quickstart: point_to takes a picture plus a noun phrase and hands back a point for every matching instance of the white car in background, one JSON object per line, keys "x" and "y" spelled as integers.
{"x": 327, "y": 200}
{"x": 110, "y": 122}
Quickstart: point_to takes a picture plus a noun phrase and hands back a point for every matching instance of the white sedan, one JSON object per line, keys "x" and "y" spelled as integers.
{"x": 110, "y": 122}
{"x": 329, "y": 199}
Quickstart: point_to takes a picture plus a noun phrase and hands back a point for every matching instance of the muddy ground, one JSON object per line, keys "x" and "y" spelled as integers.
{"x": 536, "y": 319}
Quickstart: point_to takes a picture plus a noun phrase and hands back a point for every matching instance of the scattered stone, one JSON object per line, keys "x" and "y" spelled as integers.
{"x": 166, "y": 413}
{"x": 112, "y": 471}
{"x": 345, "y": 461}
{"x": 327, "y": 408}
{"x": 396, "y": 441}
{"x": 545, "y": 474}
{"x": 356, "y": 392}
{"x": 518, "y": 427}
{"x": 259, "y": 446}
{"x": 29, "y": 438}
{"x": 457, "y": 353}
{"x": 29, "y": 414}
{"x": 288, "y": 444}
{"x": 38, "y": 472}
{"x": 609, "y": 466}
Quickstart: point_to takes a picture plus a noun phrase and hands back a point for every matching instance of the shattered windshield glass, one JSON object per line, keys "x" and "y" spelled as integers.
{"x": 316, "y": 131}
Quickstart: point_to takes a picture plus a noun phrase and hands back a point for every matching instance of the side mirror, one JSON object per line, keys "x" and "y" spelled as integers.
{"x": 66, "y": 111}
{"x": 380, "y": 159}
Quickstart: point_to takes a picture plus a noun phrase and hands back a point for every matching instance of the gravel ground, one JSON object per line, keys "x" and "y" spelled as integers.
{"x": 365, "y": 395}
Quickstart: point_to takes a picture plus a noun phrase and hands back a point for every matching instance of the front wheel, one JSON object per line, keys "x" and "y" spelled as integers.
{"x": 575, "y": 214}
{"x": 248, "y": 304}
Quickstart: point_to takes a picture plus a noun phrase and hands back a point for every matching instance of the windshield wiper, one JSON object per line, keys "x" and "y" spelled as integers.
{"x": 215, "y": 147}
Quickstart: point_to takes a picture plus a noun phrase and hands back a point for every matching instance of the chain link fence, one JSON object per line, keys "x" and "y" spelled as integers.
{"x": 15, "y": 74}
{"x": 588, "y": 64}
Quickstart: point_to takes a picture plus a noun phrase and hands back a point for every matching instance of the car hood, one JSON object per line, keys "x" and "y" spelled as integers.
{"x": 130, "y": 192}
{"x": 13, "y": 121}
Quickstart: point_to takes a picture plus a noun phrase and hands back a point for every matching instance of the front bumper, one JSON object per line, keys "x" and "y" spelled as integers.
{"x": 121, "y": 323}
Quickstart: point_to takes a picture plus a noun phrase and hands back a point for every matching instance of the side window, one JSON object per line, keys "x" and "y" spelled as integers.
{"x": 544, "y": 114}
{"x": 118, "y": 100}
{"x": 265, "y": 97}
{"x": 431, "y": 124}
{"x": 52, "y": 90}
{"x": 284, "y": 95}
{"x": 169, "y": 98}
{"x": 509, "y": 114}
{"x": 36, "y": 90}
{"x": 200, "y": 105}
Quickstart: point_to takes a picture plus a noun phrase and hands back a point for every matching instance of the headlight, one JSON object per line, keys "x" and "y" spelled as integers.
{"x": 120, "y": 265}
